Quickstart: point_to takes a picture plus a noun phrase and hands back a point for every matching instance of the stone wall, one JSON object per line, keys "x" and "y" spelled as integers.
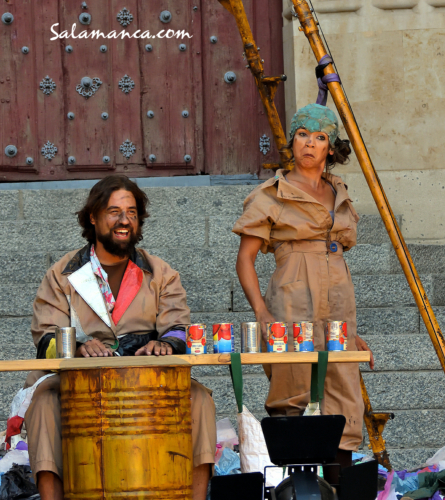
{"x": 190, "y": 228}
{"x": 389, "y": 54}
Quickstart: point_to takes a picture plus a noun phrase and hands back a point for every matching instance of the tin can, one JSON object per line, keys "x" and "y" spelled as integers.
{"x": 336, "y": 336}
{"x": 223, "y": 338}
{"x": 251, "y": 337}
{"x": 65, "y": 342}
{"x": 276, "y": 337}
{"x": 303, "y": 336}
{"x": 195, "y": 339}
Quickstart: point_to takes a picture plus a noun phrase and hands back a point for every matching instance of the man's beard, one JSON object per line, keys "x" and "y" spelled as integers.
{"x": 118, "y": 248}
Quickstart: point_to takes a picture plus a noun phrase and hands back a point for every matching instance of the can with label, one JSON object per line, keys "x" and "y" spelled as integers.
{"x": 195, "y": 339}
{"x": 223, "y": 338}
{"x": 251, "y": 337}
{"x": 276, "y": 337}
{"x": 336, "y": 336}
{"x": 303, "y": 336}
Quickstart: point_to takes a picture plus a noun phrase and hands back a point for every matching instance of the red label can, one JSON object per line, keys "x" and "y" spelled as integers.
{"x": 336, "y": 336}
{"x": 276, "y": 337}
{"x": 303, "y": 336}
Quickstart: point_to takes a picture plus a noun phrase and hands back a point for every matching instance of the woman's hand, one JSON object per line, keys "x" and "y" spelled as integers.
{"x": 363, "y": 346}
{"x": 263, "y": 317}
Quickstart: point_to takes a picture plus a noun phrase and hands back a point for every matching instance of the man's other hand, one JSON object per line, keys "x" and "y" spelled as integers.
{"x": 155, "y": 347}
{"x": 93, "y": 348}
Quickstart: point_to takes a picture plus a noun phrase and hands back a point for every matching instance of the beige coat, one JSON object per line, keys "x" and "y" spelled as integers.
{"x": 311, "y": 282}
{"x": 155, "y": 300}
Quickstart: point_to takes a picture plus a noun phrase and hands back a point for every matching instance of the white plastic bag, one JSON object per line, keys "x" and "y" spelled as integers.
{"x": 253, "y": 450}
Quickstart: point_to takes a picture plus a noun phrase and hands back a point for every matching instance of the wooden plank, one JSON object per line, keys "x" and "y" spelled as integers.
{"x": 178, "y": 360}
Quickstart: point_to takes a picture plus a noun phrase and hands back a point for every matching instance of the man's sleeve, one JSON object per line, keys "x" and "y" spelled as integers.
{"x": 51, "y": 310}
{"x": 173, "y": 313}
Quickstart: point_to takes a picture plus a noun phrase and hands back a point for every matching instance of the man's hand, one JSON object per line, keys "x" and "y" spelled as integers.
{"x": 155, "y": 347}
{"x": 363, "y": 346}
{"x": 93, "y": 348}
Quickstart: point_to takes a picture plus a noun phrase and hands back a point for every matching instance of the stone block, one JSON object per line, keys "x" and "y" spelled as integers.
{"x": 220, "y": 232}
{"x": 240, "y": 302}
{"x": 208, "y": 263}
{"x": 438, "y": 296}
{"x": 40, "y": 236}
{"x": 256, "y": 388}
{"x": 50, "y": 204}
{"x": 406, "y": 390}
{"x": 368, "y": 259}
{"x": 9, "y": 205}
{"x": 22, "y": 268}
{"x": 414, "y": 429}
{"x": 401, "y": 352}
{"x": 17, "y": 300}
{"x": 15, "y": 330}
{"x": 219, "y": 201}
{"x": 174, "y": 232}
{"x": 371, "y": 230}
{"x": 14, "y": 350}
{"x": 388, "y": 321}
{"x": 428, "y": 259}
{"x": 410, "y": 458}
{"x": 8, "y": 389}
{"x": 209, "y": 295}
{"x": 386, "y": 291}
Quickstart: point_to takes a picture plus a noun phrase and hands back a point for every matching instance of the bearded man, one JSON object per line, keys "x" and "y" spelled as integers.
{"x": 122, "y": 301}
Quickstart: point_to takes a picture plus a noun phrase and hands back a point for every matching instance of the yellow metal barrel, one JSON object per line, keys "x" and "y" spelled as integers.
{"x": 126, "y": 433}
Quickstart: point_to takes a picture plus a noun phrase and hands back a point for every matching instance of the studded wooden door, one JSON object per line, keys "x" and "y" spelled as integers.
{"x": 96, "y": 100}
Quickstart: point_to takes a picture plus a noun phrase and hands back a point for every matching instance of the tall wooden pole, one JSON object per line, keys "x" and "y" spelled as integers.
{"x": 310, "y": 29}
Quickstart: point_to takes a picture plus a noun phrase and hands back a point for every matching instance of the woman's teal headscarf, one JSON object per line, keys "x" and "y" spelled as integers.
{"x": 315, "y": 118}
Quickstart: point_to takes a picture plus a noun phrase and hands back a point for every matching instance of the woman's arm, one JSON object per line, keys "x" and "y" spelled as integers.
{"x": 245, "y": 267}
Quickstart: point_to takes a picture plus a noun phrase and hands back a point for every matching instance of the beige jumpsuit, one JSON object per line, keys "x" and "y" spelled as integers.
{"x": 311, "y": 282}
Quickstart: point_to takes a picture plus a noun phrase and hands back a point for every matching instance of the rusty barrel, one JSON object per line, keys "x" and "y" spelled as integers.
{"x": 126, "y": 433}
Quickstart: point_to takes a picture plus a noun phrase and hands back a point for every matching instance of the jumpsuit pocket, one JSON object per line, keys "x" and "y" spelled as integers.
{"x": 295, "y": 298}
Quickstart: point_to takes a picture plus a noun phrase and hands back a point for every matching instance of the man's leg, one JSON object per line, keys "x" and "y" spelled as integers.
{"x": 204, "y": 438}
{"x": 43, "y": 425}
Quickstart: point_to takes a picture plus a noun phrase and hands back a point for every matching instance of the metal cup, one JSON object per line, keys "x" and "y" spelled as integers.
{"x": 65, "y": 342}
{"x": 251, "y": 337}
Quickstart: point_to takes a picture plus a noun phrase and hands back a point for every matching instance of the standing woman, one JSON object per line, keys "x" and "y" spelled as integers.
{"x": 306, "y": 219}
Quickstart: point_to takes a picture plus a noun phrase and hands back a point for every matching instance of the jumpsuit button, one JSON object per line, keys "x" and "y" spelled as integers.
{"x": 333, "y": 247}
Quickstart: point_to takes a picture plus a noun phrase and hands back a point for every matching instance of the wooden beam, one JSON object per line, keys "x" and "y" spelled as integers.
{"x": 177, "y": 360}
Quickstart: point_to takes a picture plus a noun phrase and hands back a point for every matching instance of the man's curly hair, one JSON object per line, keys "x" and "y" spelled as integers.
{"x": 98, "y": 200}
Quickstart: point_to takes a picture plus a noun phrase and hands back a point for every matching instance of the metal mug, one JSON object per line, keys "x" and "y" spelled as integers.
{"x": 65, "y": 342}
{"x": 251, "y": 337}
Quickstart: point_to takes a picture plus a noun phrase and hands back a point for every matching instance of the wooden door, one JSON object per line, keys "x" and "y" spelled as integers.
{"x": 79, "y": 108}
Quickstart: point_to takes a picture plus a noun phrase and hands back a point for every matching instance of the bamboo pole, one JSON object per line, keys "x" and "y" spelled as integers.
{"x": 267, "y": 86}
{"x": 310, "y": 29}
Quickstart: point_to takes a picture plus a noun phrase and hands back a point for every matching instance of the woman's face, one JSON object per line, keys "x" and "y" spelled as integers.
{"x": 311, "y": 148}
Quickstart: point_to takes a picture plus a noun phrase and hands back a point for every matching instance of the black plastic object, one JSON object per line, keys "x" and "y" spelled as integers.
{"x": 303, "y": 440}
{"x": 237, "y": 487}
{"x": 359, "y": 481}
{"x": 16, "y": 483}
